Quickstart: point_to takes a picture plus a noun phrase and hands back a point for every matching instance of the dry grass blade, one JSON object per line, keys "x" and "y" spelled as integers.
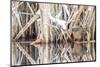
{"x": 30, "y": 8}
{"x": 17, "y": 6}
{"x": 25, "y": 13}
{"x": 32, "y": 20}
{"x": 18, "y": 18}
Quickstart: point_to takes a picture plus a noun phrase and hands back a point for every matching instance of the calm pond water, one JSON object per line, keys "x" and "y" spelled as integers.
{"x": 54, "y": 52}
